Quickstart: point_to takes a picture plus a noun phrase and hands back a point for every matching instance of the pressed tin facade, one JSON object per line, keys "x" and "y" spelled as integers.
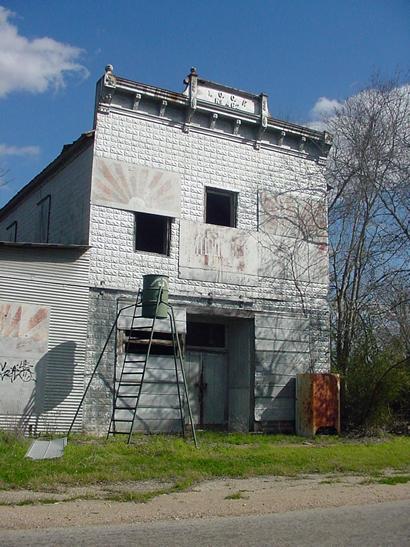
{"x": 204, "y": 187}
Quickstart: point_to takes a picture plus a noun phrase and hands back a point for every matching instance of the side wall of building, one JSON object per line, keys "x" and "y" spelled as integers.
{"x": 43, "y": 331}
{"x": 69, "y": 191}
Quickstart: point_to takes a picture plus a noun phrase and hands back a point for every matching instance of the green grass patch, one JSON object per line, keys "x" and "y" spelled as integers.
{"x": 397, "y": 479}
{"x": 89, "y": 460}
{"x": 237, "y": 496}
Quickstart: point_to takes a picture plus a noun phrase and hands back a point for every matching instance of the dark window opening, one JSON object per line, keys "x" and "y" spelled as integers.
{"x": 12, "y": 231}
{"x": 220, "y": 207}
{"x": 152, "y": 233}
{"x": 205, "y": 335}
{"x": 43, "y": 226}
{"x": 136, "y": 342}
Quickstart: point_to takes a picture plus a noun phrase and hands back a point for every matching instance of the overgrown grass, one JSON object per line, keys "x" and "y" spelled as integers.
{"x": 89, "y": 460}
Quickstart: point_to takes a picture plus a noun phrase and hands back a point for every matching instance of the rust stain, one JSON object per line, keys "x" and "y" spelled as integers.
{"x": 326, "y": 401}
{"x": 319, "y": 396}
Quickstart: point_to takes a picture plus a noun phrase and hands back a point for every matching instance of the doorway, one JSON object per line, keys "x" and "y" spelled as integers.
{"x": 219, "y": 369}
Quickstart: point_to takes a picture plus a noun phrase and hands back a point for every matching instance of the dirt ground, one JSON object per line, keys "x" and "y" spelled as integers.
{"x": 258, "y": 495}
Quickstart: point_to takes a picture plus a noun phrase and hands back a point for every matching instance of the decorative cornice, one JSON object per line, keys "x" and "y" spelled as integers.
{"x": 218, "y": 102}
{"x": 210, "y": 132}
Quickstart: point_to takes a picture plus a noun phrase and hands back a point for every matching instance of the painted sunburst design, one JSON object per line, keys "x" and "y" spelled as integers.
{"x": 135, "y": 188}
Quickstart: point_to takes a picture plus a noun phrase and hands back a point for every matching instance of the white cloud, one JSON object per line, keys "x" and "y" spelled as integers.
{"x": 322, "y": 110}
{"x": 34, "y": 65}
{"x": 6, "y": 150}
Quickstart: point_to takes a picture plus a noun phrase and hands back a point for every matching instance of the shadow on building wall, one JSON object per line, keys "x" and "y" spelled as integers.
{"x": 54, "y": 380}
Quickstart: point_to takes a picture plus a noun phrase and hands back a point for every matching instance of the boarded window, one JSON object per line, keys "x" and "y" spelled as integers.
{"x": 137, "y": 341}
{"x": 12, "y": 231}
{"x": 152, "y": 233}
{"x": 220, "y": 207}
{"x": 205, "y": 335}
{"x": 43, "y": 219}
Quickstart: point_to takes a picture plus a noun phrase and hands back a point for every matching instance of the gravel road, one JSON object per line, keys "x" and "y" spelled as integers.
{"x": 376, "y": 525}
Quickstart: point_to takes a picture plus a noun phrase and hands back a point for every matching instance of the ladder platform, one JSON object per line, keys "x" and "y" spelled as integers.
{"x": 146, "y": 341}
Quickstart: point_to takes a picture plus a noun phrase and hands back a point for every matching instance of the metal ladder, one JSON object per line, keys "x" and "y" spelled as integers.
{"x": 133, "y": 373}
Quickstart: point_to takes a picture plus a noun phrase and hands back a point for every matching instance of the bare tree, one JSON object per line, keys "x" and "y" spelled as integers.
{"x": 369, "y": 206}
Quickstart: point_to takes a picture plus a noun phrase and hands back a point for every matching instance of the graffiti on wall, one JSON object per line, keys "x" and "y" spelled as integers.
{"x": 23, "y": 370}
{"x": 23, "y": 344}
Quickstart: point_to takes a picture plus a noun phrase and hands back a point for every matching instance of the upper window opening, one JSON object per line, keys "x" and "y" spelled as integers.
{"x": 43, "y": 226}
{"x": 12, "y": 231}
{"x": 152, "y": 233}
{"x": 220, "y": 207}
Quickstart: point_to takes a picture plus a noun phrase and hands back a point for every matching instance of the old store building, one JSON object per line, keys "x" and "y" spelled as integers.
{"x": 203, "y": 186}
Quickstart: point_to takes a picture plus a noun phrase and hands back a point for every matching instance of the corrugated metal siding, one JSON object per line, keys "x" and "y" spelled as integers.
{"x": 57, "y": 279}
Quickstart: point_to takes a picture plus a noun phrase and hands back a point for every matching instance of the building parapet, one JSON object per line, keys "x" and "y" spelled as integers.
{"x": 206, "y": 106}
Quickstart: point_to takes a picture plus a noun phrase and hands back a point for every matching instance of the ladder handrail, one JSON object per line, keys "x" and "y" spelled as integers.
{"x": 174, "y": 333}
{"x": 97, "y": 365}
{"x": 183, "y": 377}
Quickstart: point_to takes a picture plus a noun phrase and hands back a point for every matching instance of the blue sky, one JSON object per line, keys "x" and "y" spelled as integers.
{"x": 53, "y": 51}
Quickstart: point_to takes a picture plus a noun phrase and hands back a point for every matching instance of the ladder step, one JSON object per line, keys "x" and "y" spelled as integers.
{"x": 129, "y": 384}
{"x": 127, "y": 396}
{"x": 162, "y": 382}
{"x": 131, "y": 372}
{"x": 122, "y": 420}
{"x": 118, "y": 432}
{"x": 156, "y": 407}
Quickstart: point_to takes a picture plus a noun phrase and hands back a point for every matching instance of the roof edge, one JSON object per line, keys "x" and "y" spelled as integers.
{"x": 67, "y": 153}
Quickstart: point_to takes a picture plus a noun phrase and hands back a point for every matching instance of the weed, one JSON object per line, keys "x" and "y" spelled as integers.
{"x": 330, "y": 481}
{"x": 237, "y": 496}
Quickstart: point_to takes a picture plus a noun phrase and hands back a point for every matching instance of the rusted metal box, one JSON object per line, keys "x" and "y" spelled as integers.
{"x": 317, "y": 403}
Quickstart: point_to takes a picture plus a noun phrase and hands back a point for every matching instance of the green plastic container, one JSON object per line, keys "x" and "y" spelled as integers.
{"x": 151, "y": 287}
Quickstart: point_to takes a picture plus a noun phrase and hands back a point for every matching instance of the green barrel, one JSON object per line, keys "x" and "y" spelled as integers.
{"x": 151, "y": 287}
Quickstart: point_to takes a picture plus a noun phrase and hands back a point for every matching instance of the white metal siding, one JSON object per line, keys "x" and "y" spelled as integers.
{"x": 58, "y": 279}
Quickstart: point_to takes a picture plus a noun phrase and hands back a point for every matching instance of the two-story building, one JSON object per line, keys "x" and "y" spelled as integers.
{"x": 203, "y": 186}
